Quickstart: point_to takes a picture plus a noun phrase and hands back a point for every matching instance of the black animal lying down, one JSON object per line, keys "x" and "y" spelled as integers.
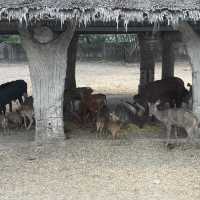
{"x": 12, "y": 91}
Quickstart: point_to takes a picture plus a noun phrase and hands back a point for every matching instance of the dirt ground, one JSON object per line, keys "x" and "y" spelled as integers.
{"x": 136, "y": 167}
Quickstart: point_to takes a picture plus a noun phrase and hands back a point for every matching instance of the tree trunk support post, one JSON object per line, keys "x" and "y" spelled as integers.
{"x": 167, "y": 56}
{"x": 192, "y": 41}
{"x": 46, "y": 52}
{"x": 70, "y": 80}
{"x": 147, "y": 63}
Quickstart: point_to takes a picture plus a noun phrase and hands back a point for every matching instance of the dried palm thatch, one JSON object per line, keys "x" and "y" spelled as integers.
{"x": 104, "y": 10}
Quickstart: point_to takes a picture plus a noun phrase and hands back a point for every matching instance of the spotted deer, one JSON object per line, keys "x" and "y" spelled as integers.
{"x": 177, "y": 117}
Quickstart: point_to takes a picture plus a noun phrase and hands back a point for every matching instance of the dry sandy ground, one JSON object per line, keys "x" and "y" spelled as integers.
{"x": 135, "y": 167}
{"x": 107, "y": 77}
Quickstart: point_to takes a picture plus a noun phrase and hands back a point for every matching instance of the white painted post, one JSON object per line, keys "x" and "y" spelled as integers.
{"x": 192, "y": 41}
{"x": 47, "y": 64}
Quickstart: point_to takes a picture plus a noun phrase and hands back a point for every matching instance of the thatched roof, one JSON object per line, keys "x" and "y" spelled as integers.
{"x": 104, "y": 10}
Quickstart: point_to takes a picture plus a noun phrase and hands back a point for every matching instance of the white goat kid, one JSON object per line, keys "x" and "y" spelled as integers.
{"x": 177, "y": 117}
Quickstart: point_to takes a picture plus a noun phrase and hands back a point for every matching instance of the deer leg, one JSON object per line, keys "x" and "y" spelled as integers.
{"x": 176, "y": 134}
{"x": 10, "y": 106}
{"x": 30, "y": 124}
{"x": 190, "y": 138}
{"x": 24, "y": 117}
{"x": 168, "y": 134}
{"x": 97, "y": 131}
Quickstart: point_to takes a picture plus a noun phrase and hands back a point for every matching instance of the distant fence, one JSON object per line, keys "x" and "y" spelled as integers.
{"x": 106, "y": 51}
{"x": 12, "y": 53}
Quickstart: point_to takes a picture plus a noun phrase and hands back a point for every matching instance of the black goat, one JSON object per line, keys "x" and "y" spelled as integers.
{"x": 12, "y": 91}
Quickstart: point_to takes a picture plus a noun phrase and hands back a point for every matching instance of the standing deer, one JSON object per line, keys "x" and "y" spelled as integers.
{"x": 177, "y": 117}
{"x": 3, "y": 123}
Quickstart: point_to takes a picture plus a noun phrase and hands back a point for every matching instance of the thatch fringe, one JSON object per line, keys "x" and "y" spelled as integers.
{"x": 86, "y": 16}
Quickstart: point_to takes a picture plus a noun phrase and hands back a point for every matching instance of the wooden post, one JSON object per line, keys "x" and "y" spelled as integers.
{"x": 46, "y": 54}
{"x": 167, "y": 56}
{"x": 192, "y": 41}
{"x": 70, "y": 79}
{"x": 147, "y": 63}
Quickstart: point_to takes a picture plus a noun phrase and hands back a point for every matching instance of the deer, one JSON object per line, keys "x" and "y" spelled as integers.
{"x": 3, "y": 123}
{"x": 114, "y": 125}
{"x": 26, "y": 111}
{"x": 102, "y": 120}
{"x": 177, "y": 117}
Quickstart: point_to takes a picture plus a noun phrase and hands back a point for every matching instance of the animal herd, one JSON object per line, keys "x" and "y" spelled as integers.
{"x": 167, "y": 100}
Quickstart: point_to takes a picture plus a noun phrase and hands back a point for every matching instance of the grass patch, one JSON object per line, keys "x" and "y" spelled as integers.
{"x": 146, "y": 129}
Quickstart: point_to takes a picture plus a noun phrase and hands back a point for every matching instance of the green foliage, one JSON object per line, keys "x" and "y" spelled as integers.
{"x": 95, "y": 41}
{"x": 146, "y": 129}
{"x": 10, "y": 39}
{"x": 109, "y": 38}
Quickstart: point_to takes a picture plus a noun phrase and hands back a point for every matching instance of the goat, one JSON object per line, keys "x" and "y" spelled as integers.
{"x": 177, "y": 117}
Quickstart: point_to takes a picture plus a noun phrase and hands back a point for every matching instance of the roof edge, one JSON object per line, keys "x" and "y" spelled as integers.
{"x": 86, "y": 16}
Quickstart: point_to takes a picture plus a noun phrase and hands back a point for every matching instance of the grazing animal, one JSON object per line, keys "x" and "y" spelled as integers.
{"x": 177, "y": 117}
{"x": 171, "y": 90}
{"x": 12, "y": 91}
